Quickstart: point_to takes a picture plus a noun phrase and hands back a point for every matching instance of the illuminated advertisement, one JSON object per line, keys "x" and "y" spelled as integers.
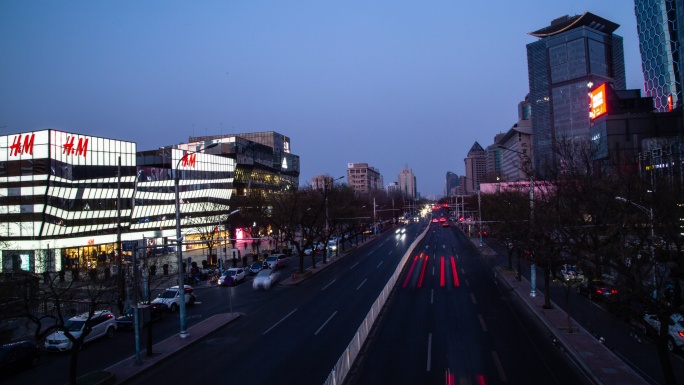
{"x": 598, "y": 102}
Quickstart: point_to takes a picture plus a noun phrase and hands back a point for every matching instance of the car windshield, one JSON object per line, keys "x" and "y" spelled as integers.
{"x": 168, "y": 294}
{"x": 74, "y": 326}
{"x": 230, "y": 273}
{"x": 271, "y": 259}
{"x": 264, "y": 273}
{"x": 257, "y": 265}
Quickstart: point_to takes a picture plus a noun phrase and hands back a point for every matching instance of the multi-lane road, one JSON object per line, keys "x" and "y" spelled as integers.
{"x": 445, "y": 322}
{"x": 449, "y": 323}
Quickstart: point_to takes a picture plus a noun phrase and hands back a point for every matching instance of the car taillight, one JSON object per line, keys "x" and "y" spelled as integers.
{"x": 613, "y": 291}
{"x": 681, "y": 334}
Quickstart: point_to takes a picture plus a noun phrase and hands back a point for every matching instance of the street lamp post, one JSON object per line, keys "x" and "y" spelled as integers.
{"x": 649, "y": 212}
{"x": 179, "y": 247}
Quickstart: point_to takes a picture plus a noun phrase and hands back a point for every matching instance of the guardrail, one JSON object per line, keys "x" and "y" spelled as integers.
{"x": 346, "y": 360}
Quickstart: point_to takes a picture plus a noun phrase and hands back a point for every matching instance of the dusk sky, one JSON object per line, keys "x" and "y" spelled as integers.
{"x": 390, "y": 83}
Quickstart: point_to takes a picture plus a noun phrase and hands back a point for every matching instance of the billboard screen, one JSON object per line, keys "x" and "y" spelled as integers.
{"x": 598, "y": 102}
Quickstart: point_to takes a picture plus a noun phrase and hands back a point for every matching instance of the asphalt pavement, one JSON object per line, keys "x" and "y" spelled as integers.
{"x": 593, "y": 357}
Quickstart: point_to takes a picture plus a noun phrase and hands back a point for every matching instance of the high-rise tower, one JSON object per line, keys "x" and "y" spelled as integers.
{"x": 572, "y": 53}
{"x": 659, "y": 44}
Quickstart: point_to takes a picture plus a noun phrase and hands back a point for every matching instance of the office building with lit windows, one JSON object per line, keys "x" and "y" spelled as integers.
{"x": 572, "y": 54}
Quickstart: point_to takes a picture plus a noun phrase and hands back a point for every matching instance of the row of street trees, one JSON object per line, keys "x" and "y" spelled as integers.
{"x": 610, "y": 221}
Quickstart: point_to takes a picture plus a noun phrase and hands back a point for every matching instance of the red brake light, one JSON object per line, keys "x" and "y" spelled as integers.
{"x": 681, "y": 334}
{"x": 613, "y": 291}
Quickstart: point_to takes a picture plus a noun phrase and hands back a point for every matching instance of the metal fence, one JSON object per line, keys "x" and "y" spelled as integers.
{"x": 346, "y": 360}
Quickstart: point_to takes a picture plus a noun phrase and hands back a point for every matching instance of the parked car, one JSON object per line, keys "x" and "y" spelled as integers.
{"x": 265, "y": 279}
{"x": 675, "y": 338}
{"x": 570, "y": 273}
{"x": 232, "y": 277}
{"x": 171, "y": 298}
{"x": 597, "y": 290}
{"x": 332, "y": 244}
{"x": 157, "y": 311}
{"x": 316, "y": 247}
{"x": 18, "y": 355}
{"x": 276, "y": 261}
{"x": 101, "y": 324}
{"x": 256, "y": 267}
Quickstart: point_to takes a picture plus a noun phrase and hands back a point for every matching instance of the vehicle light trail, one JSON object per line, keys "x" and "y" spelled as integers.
{"x": 408, "y": 276}
{"x": 454, "y": 272}
{"x": 441, "y": 272}
{"x": 422, "y": 272}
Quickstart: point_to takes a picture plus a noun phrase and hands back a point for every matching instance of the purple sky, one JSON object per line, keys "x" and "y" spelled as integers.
{"x": 390, "y": 83}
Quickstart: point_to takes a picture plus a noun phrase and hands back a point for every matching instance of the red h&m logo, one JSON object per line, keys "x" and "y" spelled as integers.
{"x": 189, "y": 160}
{"x": 18, "y": 148}
{"x": 81, "y": 147}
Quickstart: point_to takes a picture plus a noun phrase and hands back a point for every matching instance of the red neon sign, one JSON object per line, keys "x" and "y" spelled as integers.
{"x": 81, "y": 147}
{"x": 599, "y": 103}
{"x": 189, "y": 160}
{"x": 18, "y": 147}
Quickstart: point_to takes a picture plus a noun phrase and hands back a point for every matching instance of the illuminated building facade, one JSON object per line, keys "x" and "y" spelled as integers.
{"x": 363, "y": 178}
{"x": 572, "y": 53}
{"x": 64, "y": 195}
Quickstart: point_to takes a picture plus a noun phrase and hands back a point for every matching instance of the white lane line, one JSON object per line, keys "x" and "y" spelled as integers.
{"x": 467, "y": 283}
{"x": 429, "y": 351}
{"x": 482, "y": 323}
{"x": 364, "y": 281}
{"x": 472, "y": 298}
{"x": 432, "y": 296}
{"x": 499, "y": 367}
{"x": 331, "y": 282}
{"x": 433, "y": 270}
{"x": 379, "y": 264}
{"x": 353, "y": 266}
{"x": 278, "y": 323}
{"x": 324, "y": 323}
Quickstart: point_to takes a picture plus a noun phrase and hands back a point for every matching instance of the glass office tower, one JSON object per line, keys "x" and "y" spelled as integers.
{"x": 572, "y": 54}
{"x": 657, "y": 24}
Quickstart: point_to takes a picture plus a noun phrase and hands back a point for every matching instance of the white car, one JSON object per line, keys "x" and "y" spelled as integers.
{"x": 675, "y": 339}
{"x": 232, "y": 277}
{"x": 332, "y": 244}
{"x": 171, "y": 298}
{"x": 102, "y": 323}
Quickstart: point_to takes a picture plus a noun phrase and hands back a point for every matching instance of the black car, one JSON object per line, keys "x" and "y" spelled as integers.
{"x": 18, "y": 355}
{"x": 596, "y": 289}
{"x": 256, "y": 267}
{"x": 157, "y": 311}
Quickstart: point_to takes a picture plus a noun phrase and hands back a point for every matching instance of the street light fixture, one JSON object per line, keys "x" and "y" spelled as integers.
{"x": 649, "y": 212}
{"x": 179, "y": 242}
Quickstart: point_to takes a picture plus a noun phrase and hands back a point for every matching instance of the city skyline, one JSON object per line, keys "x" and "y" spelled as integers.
{"x": 390, "y": 84}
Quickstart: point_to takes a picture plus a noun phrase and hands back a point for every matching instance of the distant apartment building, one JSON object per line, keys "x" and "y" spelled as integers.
{"x": 393, "y": 188}
{"x": 572, "y": 54}
{"x": 476, "y": 169}
{"x": 319, "y": 182}
{"x": 363, "y": 178}
{"x": 517, "y": 157}
{"x": 661, "y": 54}
{"x": 407, "y": 182}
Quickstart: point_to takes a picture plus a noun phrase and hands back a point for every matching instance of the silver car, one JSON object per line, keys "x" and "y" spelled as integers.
{"x": 265, "y": 279}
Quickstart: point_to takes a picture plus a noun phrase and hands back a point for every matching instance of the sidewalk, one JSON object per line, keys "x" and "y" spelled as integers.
{"x": 598, "y": 362}
{"x": 121, "y": 372}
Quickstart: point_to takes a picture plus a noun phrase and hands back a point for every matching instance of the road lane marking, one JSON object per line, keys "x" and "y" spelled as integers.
{"x": 331, "y": 282}
{"x": 364, "y": 281}
{"x": 353, "y": 266}
{"x": 499, "y": 367}
{"x": 482, "y": 323}
{"x": 325, "y": 323}
{"x": 467, "y": 283}
{"x": 472, "y": 298}
{"x": 432, "y": 296}
{"x": 379, "y": 264}
{"x": 429, "y": 351}
{"x": 278, "y": 323}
